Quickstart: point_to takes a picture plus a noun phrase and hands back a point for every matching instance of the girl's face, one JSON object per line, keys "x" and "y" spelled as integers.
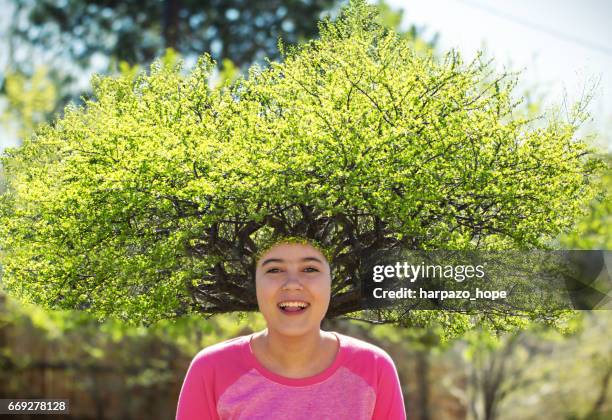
{"x": 293, "y": 283}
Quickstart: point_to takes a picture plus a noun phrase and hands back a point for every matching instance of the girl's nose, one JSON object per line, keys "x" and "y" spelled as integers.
{"x": 292, "y": 281}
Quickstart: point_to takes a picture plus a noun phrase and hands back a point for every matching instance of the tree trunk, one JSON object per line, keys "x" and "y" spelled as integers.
{"x": 422, "y": 372}
{"x": 171, "y": 23}
{"x": 603, "y": 392}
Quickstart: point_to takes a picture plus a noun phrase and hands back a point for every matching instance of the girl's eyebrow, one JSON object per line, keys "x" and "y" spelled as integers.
{"x": 271, "y": 260}
{"x": 312, "y": 259}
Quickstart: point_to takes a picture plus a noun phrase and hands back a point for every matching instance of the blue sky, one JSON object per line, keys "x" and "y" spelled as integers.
{"x": 561, "y": 46}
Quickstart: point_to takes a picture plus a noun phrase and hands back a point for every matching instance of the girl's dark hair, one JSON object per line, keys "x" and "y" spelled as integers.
{"x": 268, "y": 245}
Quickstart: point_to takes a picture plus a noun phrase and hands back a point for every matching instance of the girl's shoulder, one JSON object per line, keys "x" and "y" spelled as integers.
{"x": 362, "y": 350}
{"x": 223, "y": 351}
{"x": 367, "y": 361}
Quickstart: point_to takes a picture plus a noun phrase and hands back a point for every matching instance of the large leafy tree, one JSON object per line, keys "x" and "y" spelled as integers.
{"x": 151, "y": 200}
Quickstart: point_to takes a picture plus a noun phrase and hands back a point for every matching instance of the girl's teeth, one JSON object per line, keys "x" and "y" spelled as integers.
{"x": 298, "y": 305}
{"x": 293, "y": 307}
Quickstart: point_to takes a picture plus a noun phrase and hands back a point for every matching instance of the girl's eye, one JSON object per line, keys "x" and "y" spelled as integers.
{"x": 273, "y": 270}
{"x": 311, "y": 270}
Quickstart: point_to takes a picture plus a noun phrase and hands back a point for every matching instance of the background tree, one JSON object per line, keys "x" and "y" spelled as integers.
{"x": 75, "y": 37}
{"x": 30, "y": 101}
{"x": 115, "y": 371}
{"x": 137, "y": 31}
{"x": 85, "y": 33}
{"x": 538, "y": 372}
{"x": 151, "y": 201}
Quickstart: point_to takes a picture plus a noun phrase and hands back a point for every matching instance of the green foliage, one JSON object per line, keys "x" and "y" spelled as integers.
{"x": 29, "y": 100}
{"x": 188, "y": 334}
{"x": 150, "y": 201}
{"x": 594, "y": 231}
{"x": 542, "y": 373}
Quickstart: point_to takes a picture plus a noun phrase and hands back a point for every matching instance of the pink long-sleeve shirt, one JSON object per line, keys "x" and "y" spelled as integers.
{"x": 226, "y": 381}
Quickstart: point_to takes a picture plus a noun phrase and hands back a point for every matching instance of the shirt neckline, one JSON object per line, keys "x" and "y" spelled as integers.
{"x": 310, "y": 380}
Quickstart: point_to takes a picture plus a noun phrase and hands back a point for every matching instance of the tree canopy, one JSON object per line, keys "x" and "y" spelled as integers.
{"x": 150, "y": 201}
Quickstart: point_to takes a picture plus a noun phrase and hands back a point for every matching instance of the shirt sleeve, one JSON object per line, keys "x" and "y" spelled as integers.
{"x": 389, "y": 398}
{"x": 196, "y": 400}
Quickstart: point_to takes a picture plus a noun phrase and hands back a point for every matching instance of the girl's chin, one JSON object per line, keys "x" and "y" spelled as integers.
{"x": 294, "y": 330}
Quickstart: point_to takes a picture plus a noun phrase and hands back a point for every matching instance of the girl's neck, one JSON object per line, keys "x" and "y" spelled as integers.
{"x": 300, "y": 356}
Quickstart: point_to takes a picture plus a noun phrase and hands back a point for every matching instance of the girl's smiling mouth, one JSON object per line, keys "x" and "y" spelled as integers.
{"x": 291, "y": 307}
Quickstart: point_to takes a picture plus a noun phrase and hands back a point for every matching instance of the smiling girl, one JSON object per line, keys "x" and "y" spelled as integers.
{"x": 292, "y": 369}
